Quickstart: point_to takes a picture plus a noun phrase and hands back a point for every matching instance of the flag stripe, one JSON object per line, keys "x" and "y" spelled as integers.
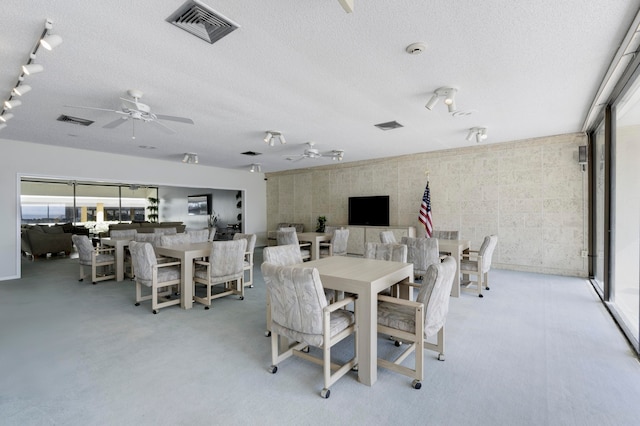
{"x": 425, "y": 212}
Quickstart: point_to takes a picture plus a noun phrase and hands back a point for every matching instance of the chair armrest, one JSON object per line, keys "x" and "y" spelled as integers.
{"x": 325, "y": 244}
{"x": 396, "y": 301}
{"x": 470, "y": 253}
{"x": 339, "y": 304}
{"x": 304, "y": 244}
{"x": 107, "y": 250}
{"x": 202, "y": 262}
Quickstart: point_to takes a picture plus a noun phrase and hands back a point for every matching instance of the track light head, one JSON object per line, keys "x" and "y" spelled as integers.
{"x": 479, "y": 133}
{"x": 448, "y": 93}
{"x": 271, "y": 135}
{"x": 20, "y": 90}
{"x": 268, "y": 137}
{"x": 256, "y": 167}
{"x": 32, "y": 69}
{"x": 190, "y": 158}
{"x": 432, "y": 102}
{"x": 6, "y": 117}
{"x": 12, "y": 103}
{"x": 51, "y": 41}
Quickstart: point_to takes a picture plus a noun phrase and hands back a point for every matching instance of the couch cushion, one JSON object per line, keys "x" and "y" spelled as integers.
{"x": 53, "y": 230}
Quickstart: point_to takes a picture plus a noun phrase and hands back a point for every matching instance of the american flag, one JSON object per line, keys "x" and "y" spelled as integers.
{"x": 425, "y": 212}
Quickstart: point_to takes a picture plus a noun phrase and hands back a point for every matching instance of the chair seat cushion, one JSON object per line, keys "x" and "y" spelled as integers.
{"x": 165, "y": 274}
{"x": 202, "y": 274}
{"x": 340, "y": 320}
{"x": 397, "y": 316}
{"x": 305, "y": 253}
{"x": 468, "y": 265}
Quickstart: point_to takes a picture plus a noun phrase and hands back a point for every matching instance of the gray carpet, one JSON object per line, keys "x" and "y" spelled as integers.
{"x": 536, "y": 350}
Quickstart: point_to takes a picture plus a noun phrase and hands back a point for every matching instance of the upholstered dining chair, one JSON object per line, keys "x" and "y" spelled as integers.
{"x": 123, "y": 233}
{"x": 102, "y": 261}
{"x": 386, "y": 251}
{"x": 286, "y": 236}
{"x": 338, "y": 244}
{"x": 165, "y": 231}
{"x": 416, "y": 321}
{"x": 388, "y": 237}
{"x": 300, "y": 313}
{"x": 248, "y": 255}
{"x": 478, "y": 264}
{"x": 225, "y": 265}
{"x": 172, "y": 240}
{"x": 446, "y": 235}
{"x": 422, "y": 252}
{"x": 286, "y": 256}
{"x": 150, "y": 273}
{"x": 198, "y": 235}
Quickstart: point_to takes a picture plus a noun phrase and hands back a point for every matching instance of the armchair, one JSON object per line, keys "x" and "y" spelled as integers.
{"x": 225, "y": 265}
{"x": 422, "y": 252}
{"x": 299, "y": 312}
{"x": 150, "y": 273}
{"x": 96, "y": 258}
{"x": 199, "y": 236}
{"x": 387, "y": 237}
{"x": 338, "y": 244}
{"x": 415, "y": 322}
{"x": 248, "y": 256}
{"x": 478, "y": 263}
{"x": 286, "y": 236}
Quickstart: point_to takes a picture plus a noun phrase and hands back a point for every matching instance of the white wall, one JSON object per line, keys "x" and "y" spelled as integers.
{"x": 21, "y": 158}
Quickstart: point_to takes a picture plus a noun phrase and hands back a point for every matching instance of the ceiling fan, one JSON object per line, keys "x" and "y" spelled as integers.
{"x": 134, "y": 110}
{"x": 313, "y": 153}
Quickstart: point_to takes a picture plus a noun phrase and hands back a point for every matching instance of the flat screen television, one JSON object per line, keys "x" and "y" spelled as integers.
{"x": 199, "y": 204}
{"x": 373, "y": 211}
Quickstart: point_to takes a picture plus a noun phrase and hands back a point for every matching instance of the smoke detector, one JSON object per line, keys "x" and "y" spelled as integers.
{"x": 416, "y": 48}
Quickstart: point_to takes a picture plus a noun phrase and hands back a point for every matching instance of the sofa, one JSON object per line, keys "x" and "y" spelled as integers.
{"x": 271, "y": 235}
{"x": 145, "y": 227}
{"x": 40, "y": 240}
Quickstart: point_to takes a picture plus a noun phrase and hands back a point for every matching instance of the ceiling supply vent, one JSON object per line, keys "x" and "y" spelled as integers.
{"x": 389, "y": 125}
{"x": 202, "y": 21}
{"x": 75, "y": 120}
{"x": 251, "y": 153}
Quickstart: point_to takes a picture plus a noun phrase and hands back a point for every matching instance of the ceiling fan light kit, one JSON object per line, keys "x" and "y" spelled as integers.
{"x": 49, "y": 42}
{"x": 312, "y": 153}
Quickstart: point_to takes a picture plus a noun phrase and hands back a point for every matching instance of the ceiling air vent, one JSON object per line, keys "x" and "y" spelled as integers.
{"x": 202, "y": 21}
{"x": 75, "y": 120}
{"x": 389, "y": 125}
{"x": 251, "y": 153}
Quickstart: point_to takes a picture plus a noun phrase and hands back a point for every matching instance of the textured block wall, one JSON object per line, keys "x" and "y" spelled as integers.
{"x": 531, "y": 193}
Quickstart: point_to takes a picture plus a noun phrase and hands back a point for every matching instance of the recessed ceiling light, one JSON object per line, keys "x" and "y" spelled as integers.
{"x": 389, "y": 125}
{"x": 146, "y": 147}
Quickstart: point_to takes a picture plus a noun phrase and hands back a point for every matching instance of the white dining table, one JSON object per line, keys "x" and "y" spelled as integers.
{"x": 186, "y": 253}
{"x": 315, "y": 238}
{"x": 366, "y": 278}
{"x": 119, "y": 244}
{"x": 456, "y": 248}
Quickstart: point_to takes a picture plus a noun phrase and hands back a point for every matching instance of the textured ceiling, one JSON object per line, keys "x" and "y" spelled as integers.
{"x": 310, "y": 70}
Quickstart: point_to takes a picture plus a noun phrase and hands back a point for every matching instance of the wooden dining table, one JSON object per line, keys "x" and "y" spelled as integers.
{"x": 456, "y": 248}
{"x": 119, "y": 244}
{"x": 315, "y": 238}
{"x": 366, "y": 278}
{"x": 186, "y": 253}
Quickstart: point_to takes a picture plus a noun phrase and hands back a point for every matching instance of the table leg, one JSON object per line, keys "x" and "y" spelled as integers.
{"x": 186, "y": 292}
{"x": 367, "y": 318}
{"x": 119, "y": 262}
{"x": 455, "y": 289}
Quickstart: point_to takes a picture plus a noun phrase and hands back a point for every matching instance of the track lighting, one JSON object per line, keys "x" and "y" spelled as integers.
{"x": 272, "y": 135}
{"x": 256, "y": 167}
{"x": 190, "y": 158}
{"x": 479, "y": 133}
{"x": 12, "y": 103}
{"x": 6, "y": 117}
{"x": 32, "y": 69}
{"x": 51, "y": 41}
{"x": 20, "y": 90}
{"x": 449, "y": 95}
{"x": 337, "y": 155}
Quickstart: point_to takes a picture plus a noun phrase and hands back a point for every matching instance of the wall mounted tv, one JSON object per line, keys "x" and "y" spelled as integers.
{"x": 199, "y": 204}
{"x": 373, "y": 211}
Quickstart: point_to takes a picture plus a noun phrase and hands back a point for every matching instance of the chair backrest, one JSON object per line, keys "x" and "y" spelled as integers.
{"x": 446, "y": 235}
{"x": 227, "y": 259}
{"x": 84, "y": 246}
{"x": 434, "y": 294}
{"x": 486, "y": 251}
{"x": 172, "y": 240}
{"x": 339, "y": 241}
{"x": 251, "y": 240}
{"x": 143, "y": 258}
{"x": 198, "y": 236}
{"x": 152, "y": 238}
{"x": 123, "y": 233}
{"x": 282, "y": 255}
{"x": 330, "y": 229}
{"x": 387, "y": 237}
{"x": 297, "y": 298}
{"x": 287, "y": 236}
{"x": 382, "y": 251}
{"x": 165, "y": 231}
{"x": 422, "y": 252}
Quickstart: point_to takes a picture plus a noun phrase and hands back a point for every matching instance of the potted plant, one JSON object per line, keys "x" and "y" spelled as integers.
{"x": 153, "y": 209}
{"x": 322, "y": 220}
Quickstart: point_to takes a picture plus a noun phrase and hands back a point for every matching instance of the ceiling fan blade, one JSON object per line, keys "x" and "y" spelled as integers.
{"x": 173, "y": 118}
{"x": 115, "y": 123}
{"x": 162, "y": 127}
{"x": 98, "y": 109}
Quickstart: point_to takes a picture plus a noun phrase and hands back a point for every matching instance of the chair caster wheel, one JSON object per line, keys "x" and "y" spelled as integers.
{"x": 155, "y": 311}
{"x": 241, "y": 297}
{"x": 416, "y": 384}
{"x": 480, "y": 295}
{"x": 251, "y": 286}
{"x": 137, "y": 303}
{"x": 325, "y": 393}
{"x": 94, "y": 283}
{"x": 398, "y": 343}
{"x": 81, "y": 279}
{"x": 440, "y": 357}
{"x": 273, "y": 369}
{"x": 267, "y": 333}
{"x": 487, "y": 288}
{"x": 206, "y": 308}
